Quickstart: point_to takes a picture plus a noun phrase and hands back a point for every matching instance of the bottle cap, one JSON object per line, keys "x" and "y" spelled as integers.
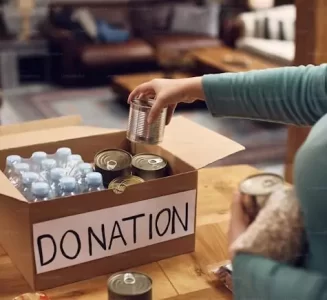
{"x": 21, "y": 167}
{"x": 94, "y": 178}
{"x": 75, "y": 157}
{"x": 85, "y": 168}
{"x": 40, "y": 189}
{"x": 38, "y": 156}
{"x": 29, "y": 177}
{"x": 68, "y": 183}
{"x": 63, "y": 152}
{"x": 57, "y": 173}
{"x": 12, "y": 159}
{"x": 48, "y": 164}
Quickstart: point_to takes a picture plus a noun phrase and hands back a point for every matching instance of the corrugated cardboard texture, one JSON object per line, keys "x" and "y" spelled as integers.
{"x": 196, "y": 145}
{"x": 40, "y": 124}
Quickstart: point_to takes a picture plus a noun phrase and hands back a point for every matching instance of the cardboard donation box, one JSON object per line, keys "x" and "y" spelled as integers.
{"x": 74, "y": 238}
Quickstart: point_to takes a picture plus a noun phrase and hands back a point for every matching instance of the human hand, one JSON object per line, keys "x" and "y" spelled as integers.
{"x": 168, "y": 93}
{"x": 239, "y": 221}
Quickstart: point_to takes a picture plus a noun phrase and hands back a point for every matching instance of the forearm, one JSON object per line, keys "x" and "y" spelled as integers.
{"x": 293, "y": 95}
{"x": 258, "y": 278}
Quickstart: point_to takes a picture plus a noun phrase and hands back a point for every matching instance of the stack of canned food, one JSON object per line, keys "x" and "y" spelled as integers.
{"x": 120, "y": 169}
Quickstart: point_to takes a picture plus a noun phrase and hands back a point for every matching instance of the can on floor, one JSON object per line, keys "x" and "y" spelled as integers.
{"x": 113, "y": 163}
{"x": 129, "y": 286}
{"x": 138, "y": 129}
{"x": 149, "y": 166}
{"x": 256, "y": 189}
{"x": 118, "y": 185}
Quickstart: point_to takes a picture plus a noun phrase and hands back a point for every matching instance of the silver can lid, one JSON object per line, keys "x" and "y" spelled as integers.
{"x": 261, "y": 184}
{"x": 113, "y": 160}
{"x": 149, "y": 162}
{"x": 129, "y": 284}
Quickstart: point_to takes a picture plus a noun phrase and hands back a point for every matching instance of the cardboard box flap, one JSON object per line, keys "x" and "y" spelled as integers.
{"x": 40, "y": 125}
{"x": 8, "y": 189}
{"x": 197, "y": 145}
{"x": 51, "y": 135}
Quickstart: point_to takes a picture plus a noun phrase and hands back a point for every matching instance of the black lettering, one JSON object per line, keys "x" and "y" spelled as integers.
{"x": 150, "y": 227}
{"x": 168, "y": 223}
{"x": 113, "y": 236}
{"x": 134, "y": 218}
{"x": 39, "y": 246}
{"x": 102, "y": 242}
{"x": 79, "y": 245}
{"x": 175, "y": 214}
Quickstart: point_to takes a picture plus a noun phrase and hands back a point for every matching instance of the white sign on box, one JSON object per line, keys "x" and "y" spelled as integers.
{"x": 73, "y": 240}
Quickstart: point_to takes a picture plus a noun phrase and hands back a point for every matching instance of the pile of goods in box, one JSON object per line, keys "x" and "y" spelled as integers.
{"x": 48, "y": 176}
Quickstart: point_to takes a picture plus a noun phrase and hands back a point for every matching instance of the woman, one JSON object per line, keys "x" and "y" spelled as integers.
{"x": 291, "y": 95}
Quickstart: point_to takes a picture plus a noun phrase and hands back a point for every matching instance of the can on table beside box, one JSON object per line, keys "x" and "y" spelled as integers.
{"x": 113, "y": 163}
{"x": 138, "y": 129}
{"x": 130, "y": 286}
{"x": 225, "y": 275}
{"x": 256, "y": 189}
{"x": 149, "y": 166}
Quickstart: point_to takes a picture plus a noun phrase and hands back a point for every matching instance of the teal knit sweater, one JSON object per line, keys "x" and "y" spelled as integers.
{"x": 292, "y": 95}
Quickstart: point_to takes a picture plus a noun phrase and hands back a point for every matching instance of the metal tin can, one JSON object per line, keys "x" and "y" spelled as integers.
{"x": 118, "y": 185}
{"x": 256, "y": 189}
{"x": 113, "y": 163}
{"x": 130, "y": 286}
{"x": 224, "y": 274}
{"x": 139, "y": 130}
{"x": 149, "y": 166}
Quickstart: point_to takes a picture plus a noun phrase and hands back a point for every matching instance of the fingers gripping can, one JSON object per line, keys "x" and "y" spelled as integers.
{"x": 130, "y": 286}
{"x": 256, "y": 189}
{"x": 138, "y": 129}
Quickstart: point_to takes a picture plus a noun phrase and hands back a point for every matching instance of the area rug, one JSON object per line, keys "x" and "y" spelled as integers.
{"x": 101, "y": 107}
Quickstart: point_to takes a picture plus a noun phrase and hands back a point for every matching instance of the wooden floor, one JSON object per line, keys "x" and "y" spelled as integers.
{"x": 185, "y": 277}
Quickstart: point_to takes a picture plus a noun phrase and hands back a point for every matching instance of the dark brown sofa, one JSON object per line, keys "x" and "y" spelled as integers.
{"x": 92, "y": 63}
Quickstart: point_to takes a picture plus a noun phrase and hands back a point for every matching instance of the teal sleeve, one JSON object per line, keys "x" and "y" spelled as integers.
{"x": 290, "y": 95}
{"x": 259, "y": 278}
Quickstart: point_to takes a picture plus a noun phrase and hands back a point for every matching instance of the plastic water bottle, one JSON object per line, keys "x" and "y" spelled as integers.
{"x": 19, "y": 169}
{"x": 83, "y": 170}
{"x": 95, "y": 182}
{"x": 40, "y": 191}
{"x": 68, "y": 186}
{"x": 62, "y": 155}
{"x": 72, "y": 162}
{"x": 28, "y": 178}
{"x": 46, "y": 166}
{"x": 55, "y": 175}
{"x": 37, "y": 158}
{"x": 11, "y": 160}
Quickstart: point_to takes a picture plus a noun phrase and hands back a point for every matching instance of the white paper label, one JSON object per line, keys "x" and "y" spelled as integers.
{"x": 73, "y": 240}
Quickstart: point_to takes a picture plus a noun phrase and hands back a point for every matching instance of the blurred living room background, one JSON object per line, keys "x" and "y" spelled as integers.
{"x": 64, "y": 57}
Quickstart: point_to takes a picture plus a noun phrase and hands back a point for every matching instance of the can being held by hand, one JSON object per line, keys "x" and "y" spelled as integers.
{"x": 130, "y": 286}
{"x": 139, "y": 130}
{"x": 149, "y": 166}
{"x": 256, "y": 189}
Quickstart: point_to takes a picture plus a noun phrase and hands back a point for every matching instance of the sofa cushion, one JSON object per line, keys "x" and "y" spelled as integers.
{"x": 133, "y": 50}
{"x": 109, "y": 34}
{"x": 182, "y": 42}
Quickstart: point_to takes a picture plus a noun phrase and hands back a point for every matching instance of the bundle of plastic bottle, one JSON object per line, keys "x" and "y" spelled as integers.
{"x": 48, "y": 176}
